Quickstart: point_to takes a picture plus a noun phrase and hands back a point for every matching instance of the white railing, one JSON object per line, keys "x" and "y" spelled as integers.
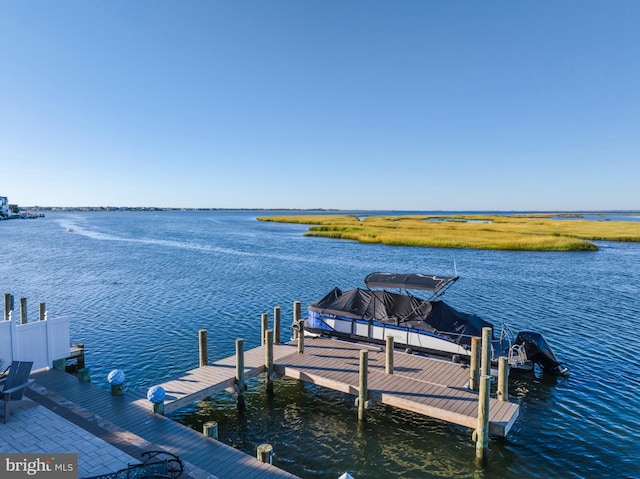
{"x": 42, "y": 342}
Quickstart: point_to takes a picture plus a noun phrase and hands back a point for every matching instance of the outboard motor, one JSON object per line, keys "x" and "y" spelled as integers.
{"x": 539, "y": 352}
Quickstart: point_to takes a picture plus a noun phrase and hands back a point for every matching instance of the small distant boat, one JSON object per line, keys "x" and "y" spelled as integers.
{"x": 70, "y": 230}
{"x": 428, "y": 326}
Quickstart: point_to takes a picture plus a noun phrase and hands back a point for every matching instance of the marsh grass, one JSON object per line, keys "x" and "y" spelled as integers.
{"x": 517, "y": 232}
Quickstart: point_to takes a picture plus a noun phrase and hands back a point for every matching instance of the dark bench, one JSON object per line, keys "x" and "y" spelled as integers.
{"x": 155, "y": 465}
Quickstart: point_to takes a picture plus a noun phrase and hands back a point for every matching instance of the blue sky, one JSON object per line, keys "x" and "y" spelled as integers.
{"x": 412, "y": 105}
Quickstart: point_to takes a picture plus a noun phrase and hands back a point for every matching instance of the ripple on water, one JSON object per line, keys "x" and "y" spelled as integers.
{"x": 139, "y": 286}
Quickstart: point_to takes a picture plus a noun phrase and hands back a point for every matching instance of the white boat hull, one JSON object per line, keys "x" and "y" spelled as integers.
{"x": 378, "y": 332}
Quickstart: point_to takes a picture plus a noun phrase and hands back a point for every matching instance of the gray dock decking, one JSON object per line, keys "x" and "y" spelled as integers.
{"x": 137, "y": 425}
{"x": 427, "y": 386}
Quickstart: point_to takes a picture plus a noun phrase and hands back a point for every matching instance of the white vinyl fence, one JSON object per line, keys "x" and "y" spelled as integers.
{"x": 42, "y": 342}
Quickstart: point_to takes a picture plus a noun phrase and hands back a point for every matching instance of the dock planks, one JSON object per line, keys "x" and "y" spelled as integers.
{"x": 127, "y": 421}
{"x": 200, "y": 383}
{"x": 427, "y": 386}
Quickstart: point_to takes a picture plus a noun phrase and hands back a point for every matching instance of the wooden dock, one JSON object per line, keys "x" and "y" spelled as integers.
{"x": 427, "y": 386}
{"x": 202, "y": 382}
{"x": 127, "y": 422}
{"x": 431, "y": 387}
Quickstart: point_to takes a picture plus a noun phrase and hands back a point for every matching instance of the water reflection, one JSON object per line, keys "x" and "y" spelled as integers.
{"x": 316, "y": 434}
{"x": 152, "y": 281}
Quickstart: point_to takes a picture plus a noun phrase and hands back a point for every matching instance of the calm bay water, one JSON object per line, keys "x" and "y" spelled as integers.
{"x": 138, "y": 287}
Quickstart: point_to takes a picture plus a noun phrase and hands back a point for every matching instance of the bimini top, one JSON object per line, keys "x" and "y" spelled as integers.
{"x": 409, "y": 281}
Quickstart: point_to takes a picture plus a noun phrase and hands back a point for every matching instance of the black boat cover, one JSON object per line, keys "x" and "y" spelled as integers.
{"x": 401, "y": 310}
{"x": 408, "y": 281}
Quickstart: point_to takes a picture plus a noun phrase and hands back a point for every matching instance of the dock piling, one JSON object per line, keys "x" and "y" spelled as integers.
{"x": 80, "y": 358}
{"x": 362, "y": 384}
{"x": 474, "y": 371}
{"x": 482, "y": 432}
{"x": 59, "y": 364}
{"x": 8, "y": 305}
{"x": 23, "y": 310}
{"x": 265, "y": 453}
{"x": 276, "y": 324}
{"x": 485, "y": 364}
{"x": 116, "y": 380}
{"x": 503, "y": 379}
{"x": 204, "y": 354}
{"x": 297, "y": 315}
{"x": 265, "y": 325}
{"x": 84, "y": 375}
{"x": 269, "y": 360}
{"x": 389, "y": 355}
{"x": 42, "y": 312}
{"x": 301, "y": 336}
{"x": 156, "y": 396}
{"x": 240, "y": 386}
{"x": 210, "y": 429}
{"x": 117, "y": 389}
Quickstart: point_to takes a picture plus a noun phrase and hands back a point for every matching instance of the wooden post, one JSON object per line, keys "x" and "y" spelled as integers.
{"x": 59, "y": 364}
{"x": 297, "y": 315}
{"x": 80, "y": 358}
{"x": 204, "y": 354}
{"x": 158, "y": 408}
{"x": 482, "y": 432}
{"x": 8, "y": 305}
{"x": 265, "y": 326}
{"x": 362, "y": 384}
{"x": 84, "y": 375}
{"x": 269, "y": 360}
{"x": 116, "y": 379}
{"x": 276, "y": 324}
{"x": 389, "y": 362}
{"x": 485, "y": 365}
{"x": 265, "y": 453}
{"x": 210, "y": 429}
{"x": 23, "y": 310}
{"x": 474, "y": 372}
{"x": 42, "y": 311}
{"x": 240, "y": 387}
{"x": 503, "y": 379}
{"x": 156, "y": 396}
{"x": 117, "y": 389}
{"x": 301, "y": 336}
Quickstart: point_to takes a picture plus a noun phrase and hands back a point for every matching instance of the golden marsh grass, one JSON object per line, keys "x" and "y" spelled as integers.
{"x": 516, "y": 232}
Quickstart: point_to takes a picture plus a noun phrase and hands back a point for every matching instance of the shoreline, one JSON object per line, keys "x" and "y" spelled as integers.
{"x": 623, "y": 212}
{"x": 514, "y": 232}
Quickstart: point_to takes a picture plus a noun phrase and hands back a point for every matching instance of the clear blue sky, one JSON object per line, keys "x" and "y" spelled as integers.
{"x": 418, "y": 105}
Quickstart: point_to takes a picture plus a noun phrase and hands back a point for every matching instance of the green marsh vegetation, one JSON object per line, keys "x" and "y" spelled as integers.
{"x": 540, "y": 232}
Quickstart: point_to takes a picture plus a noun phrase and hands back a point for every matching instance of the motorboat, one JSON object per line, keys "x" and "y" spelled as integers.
{"x": 389, "y": 306}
